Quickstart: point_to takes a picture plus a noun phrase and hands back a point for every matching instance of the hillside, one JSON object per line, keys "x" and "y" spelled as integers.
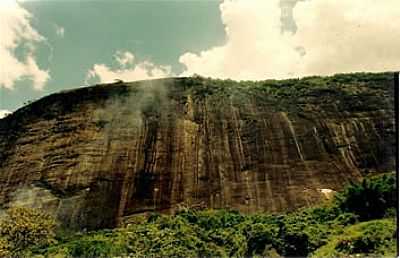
{"x": 97, "y": 155}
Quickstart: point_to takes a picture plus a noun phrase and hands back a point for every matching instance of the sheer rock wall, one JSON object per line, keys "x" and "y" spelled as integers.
{"x": 96, "y": 155}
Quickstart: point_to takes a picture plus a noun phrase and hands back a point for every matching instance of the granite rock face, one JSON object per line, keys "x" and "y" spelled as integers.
{"x": 96, "y": 155}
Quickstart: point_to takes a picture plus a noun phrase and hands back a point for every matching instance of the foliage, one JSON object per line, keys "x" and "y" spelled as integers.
{"x": 23, "y": 228}
{"x": 357, "y": 92}
{"x": 371, "y": 199}
{"x": 4, "y": 247}
{"x": 328, "y": 230}
{"x": 373, "y": 238}
{"x": 100, "y": 244}
{"x": 260, "y": 237}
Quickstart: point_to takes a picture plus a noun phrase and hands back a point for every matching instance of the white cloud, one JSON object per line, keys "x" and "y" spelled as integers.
{"x": 336, "y": 35}
{"x": 347, "y": 36}
{"x": 4, "y": 113}
{"x": 255, "y": 47}
{"x": 60, "y": 31}
{"x": 124, "y": 59}
{"x": 127, "y": 71}
{"x": 15, "y": 30}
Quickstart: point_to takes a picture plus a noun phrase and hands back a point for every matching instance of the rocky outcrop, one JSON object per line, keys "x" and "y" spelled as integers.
{"x": 96, "y": 155}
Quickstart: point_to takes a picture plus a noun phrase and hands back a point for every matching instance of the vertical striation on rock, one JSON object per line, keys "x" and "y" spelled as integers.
{"x": 96, "y": 155}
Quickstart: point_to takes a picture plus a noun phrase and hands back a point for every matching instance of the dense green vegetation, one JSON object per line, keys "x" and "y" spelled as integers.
{"x": 357, "y": 92}
{"x": 23, "y": 228}
{"x": 374, "y": 198}
{"x": 348, "y": 226}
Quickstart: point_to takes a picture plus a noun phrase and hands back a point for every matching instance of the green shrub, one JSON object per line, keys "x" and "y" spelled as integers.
{"x": 370, "y": 199}
{"x": 329, "y": 229}
{"x": 169, "y": 236}
{"x": 24, "y": 228}
{"x": 260, "y": 237}
{"x": 375, "y": 237}
{"x": 90, "y": 248}
{"x": 346, "y": 219}
{"x": 92, "y": 244}
{"x": 295, "y": 242}
{"x": 5, "y": 248}
{"x": 231, "y": 235}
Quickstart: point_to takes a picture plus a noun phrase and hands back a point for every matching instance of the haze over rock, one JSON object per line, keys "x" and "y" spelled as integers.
{"x": 95, "y": 156}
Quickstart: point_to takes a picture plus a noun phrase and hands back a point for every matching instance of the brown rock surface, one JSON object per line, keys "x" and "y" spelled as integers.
{"x": 95, "y": 155}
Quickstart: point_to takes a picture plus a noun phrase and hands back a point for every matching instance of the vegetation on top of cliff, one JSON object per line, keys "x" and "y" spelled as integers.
{"x": 357, "y": 92}
{"x": 330, "y": 230}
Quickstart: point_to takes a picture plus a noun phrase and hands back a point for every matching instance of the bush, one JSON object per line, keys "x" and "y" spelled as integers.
{"x": 259, "y": 237}
{"x": 346, "y": 219}
{"x": 295, "y": 242}
{"x": 91, "y": 247}
{"x": 23, "y": 228}
{"x": 371, "y": 199}
{"x": 325, "y": 230}
{"x": 375, "y": 238}
{"x": 93, "y": 244}
{"x": 4, "y": 247}
{"x": 211, "y": 219}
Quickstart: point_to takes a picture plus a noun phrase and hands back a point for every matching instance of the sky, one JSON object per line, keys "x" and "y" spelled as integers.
{"x": 50, "y": 45}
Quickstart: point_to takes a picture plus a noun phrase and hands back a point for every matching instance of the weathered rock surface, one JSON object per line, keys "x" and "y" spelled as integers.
{"x": 95, "y": 155}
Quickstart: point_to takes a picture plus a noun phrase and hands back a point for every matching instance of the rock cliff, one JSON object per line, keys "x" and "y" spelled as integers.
{"x": 97, "y": 155}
